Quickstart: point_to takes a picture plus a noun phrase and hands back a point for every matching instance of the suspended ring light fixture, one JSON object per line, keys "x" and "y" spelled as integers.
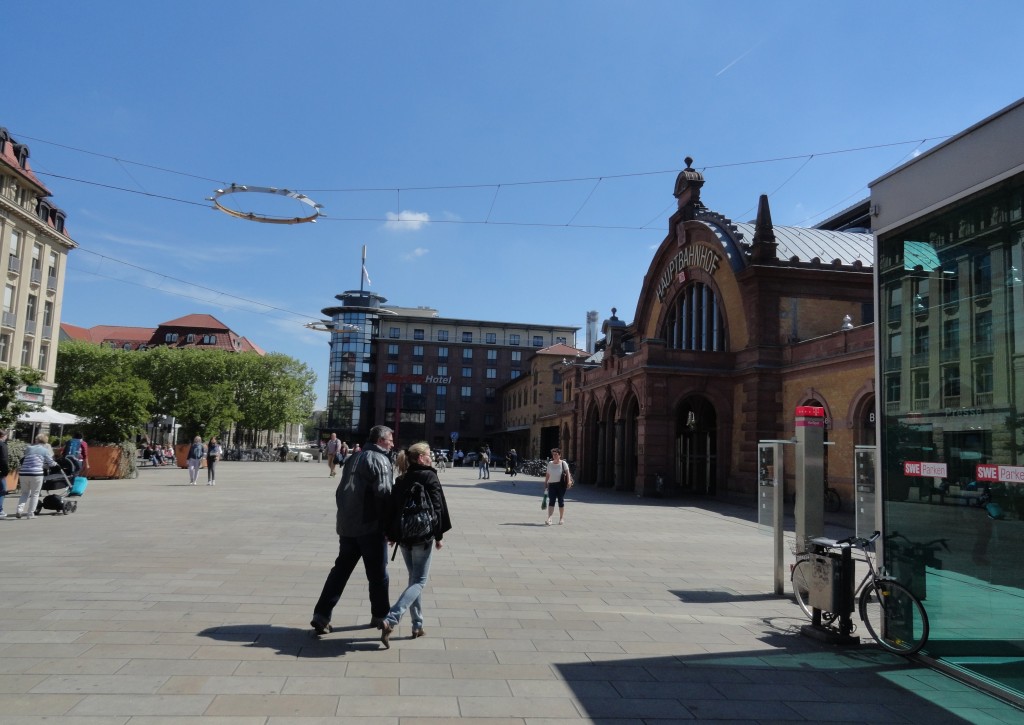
{"x": 266, "y": 218}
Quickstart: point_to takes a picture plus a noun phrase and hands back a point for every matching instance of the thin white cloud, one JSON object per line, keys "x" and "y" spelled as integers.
{"x": 415, "y": 254}
{"x": 741, "y": 57}
{"x": 406, "y": 221}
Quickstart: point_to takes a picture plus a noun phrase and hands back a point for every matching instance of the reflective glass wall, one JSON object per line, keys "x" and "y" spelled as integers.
{"x": 952, "y": 378}
{"x": 350, "y": 377}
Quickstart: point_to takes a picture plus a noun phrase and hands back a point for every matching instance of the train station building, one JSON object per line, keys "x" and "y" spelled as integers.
{"x": 737, "y": 324}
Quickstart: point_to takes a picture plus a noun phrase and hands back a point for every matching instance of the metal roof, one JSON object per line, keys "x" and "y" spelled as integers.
{"x": 805, "y": 244}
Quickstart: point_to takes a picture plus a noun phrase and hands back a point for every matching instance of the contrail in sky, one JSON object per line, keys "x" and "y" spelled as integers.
{"x": 754, "y": 46}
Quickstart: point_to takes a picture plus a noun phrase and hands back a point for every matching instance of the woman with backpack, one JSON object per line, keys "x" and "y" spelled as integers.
{"x": 416, "y": 530}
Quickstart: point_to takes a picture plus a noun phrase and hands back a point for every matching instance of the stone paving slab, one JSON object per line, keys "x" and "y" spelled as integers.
{"x": 160, "y": 603}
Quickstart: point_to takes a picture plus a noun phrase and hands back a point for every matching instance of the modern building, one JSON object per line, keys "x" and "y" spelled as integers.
{"x": 428, "y": 377}
{"x": 736, "y": 326}
{"x": 195, "y": 330}
{"x": 34, "y": 244}
{"x": 950, "y": 298}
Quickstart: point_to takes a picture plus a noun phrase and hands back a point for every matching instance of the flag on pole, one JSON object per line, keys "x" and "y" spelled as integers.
{"x": 365, "y": 273}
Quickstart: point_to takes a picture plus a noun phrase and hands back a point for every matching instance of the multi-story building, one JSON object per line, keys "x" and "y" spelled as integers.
{"x": 33, "y": 247}
{"x": 429, "y": 377}
{"x": 536, "y": 410}
{"x": 950, "y": 296}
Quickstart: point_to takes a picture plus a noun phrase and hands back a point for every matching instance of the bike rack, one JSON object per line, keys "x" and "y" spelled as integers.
{"x": 831, "y": 589}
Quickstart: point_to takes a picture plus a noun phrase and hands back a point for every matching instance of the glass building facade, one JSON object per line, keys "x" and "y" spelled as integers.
{"x": 355, "y": 325}
{"x": 951, "y": 376}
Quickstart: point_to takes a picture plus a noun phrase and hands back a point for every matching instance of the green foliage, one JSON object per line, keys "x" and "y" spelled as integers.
{"x": 205, "y": 390}
{"x": 100, "y": 384}
{"x": 11, "y": 381}
{"x": 15, "y": 452}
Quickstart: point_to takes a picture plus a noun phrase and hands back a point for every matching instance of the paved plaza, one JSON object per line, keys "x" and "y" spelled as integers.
{"x": 159, "y": 602}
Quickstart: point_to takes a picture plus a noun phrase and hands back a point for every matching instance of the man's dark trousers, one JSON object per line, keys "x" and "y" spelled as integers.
{"x": 373, "y": 549}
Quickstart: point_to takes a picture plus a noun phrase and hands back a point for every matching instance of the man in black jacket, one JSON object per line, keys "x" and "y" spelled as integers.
{"x": 366, "y": 481}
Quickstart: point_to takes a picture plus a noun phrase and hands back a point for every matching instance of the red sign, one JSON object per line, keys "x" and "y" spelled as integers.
{"x": 925, "y": 469}
{"x": 810, "y": 411}
{"x": 1002, "y": 474}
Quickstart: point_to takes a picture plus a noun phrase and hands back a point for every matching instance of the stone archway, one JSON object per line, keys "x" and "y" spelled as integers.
{"x": 696, "y": 449}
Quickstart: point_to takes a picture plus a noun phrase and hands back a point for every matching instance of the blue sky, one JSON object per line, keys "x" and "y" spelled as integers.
{"x": 369, "y": 108}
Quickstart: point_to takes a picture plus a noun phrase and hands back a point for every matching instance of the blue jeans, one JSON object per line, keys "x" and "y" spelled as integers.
{"x": 417, "y": 561}
{"x": 373, "y": 550}
{"x": 3, "y": 491}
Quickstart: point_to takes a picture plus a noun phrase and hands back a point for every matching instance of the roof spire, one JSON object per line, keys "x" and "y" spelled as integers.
{"x": 763, "y": 248}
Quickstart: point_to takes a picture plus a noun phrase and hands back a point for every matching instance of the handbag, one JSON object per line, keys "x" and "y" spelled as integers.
{"x": 544, "y": 501}
{"x": 566, "y": 479}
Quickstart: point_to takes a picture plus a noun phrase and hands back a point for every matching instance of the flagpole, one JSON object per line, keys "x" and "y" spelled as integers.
{"x": 362, "y": 272}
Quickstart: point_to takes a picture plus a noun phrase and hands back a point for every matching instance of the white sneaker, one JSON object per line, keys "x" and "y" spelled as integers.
{"x": 3, "y": 515}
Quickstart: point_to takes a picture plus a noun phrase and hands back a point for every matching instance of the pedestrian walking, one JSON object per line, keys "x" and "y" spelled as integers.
{"x": 557, "y": 480}
{"x": 333, "y": 453}
{"x": 196, "y": 451}
{"x": 213, "y": 454}
{"x": 366, "y": 482}
{"x": 512, "y": 462}
{"x": 77, "y": 451}
{"x": 415, "y": 469}
{"x": 30, "y": 475}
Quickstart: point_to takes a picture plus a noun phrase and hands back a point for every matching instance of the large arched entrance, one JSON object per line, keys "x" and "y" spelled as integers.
{"x": 696, "y": 446}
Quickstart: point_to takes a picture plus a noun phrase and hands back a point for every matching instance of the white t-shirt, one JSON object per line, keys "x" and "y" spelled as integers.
{"x": 555, "y": 471}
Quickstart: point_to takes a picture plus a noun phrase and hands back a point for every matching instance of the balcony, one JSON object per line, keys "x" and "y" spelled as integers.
{"x": 36, "y": 276}
{"x": 14, "y": 264}
{"x": 983, "y": 399}
{"x": 919, "y": 360}
{"x": 981, "y": 347}
{"x": 10, "y": 319}
{"x": 893, "y": 363}
{"x": 949, "y": 354}
{"x": 47, "y": 332}
{"x": 51, "y": 283}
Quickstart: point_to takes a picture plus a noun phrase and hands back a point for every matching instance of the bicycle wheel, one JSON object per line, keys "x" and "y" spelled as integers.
{"x": 832, "y": 501}
{"x": 800, "y": 580}
{"x": 894, "y": 616}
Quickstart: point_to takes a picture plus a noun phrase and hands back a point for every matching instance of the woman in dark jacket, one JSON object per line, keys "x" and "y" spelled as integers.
{"x": 414, "y": 465}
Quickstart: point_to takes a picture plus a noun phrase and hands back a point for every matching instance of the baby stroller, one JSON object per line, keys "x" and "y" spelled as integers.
{"x": 58, "y": 487}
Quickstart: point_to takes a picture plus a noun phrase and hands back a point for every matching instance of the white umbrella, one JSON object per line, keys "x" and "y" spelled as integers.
{"x": 46, "y": 414}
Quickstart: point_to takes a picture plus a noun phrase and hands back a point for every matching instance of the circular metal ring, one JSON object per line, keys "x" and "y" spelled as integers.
{"x": 266, "y": 218}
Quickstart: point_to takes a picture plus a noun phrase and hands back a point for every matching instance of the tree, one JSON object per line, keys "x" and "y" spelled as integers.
{"x": 272, "y": 391}
{"x": 100, "y": 384}
{"x": 12, "y": 380}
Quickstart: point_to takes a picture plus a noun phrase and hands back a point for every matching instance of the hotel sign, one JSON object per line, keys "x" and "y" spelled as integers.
{"x": 691, "y": 256}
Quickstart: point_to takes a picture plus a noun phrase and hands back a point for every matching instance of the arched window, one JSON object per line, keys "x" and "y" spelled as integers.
{"x": 695, "y": 321}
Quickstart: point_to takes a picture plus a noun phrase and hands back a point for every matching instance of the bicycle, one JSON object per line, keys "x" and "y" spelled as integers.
{"x": 894, "y": 617}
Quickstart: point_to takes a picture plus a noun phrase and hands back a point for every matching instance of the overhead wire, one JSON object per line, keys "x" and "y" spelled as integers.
{"x": 398, "y": 190}
{"x": 190, "y": 284}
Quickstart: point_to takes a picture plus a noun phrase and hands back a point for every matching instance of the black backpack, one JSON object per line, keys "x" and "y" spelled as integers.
{"x": 416, "y": 517}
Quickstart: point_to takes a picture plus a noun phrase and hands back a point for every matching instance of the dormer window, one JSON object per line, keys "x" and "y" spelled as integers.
{"x": 127, "y": 346}
{"x": 21, "y": 151}
{"x": 171, "y": 337}
{"x": 58, "y": 220}
{"x": 190, "y": 337}
{"x": 209, "y": 339}
{"x": 43, "y": 210}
